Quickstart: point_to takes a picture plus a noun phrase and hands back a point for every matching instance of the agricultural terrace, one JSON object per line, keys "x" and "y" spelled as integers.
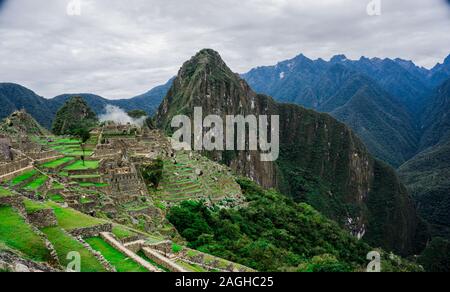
{"x": 70, "y": 219}
{"x": 17, "y": 234}
{"x": 114, "y": 257}
{"x": 80, "y": 165}
{"x": 64, "y": 244}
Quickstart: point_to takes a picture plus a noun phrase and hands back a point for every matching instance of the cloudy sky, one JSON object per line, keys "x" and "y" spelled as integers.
{"x": 119, "y": 49}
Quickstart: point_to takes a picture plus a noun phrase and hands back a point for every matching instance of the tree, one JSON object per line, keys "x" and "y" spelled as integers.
{"x": 84, "y": 135}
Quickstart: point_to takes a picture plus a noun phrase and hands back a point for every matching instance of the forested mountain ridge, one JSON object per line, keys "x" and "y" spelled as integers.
{"x": 427, "y": 174}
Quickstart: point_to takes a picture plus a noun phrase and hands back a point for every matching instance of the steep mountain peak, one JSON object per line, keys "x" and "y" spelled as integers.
{"x": 206, "y": 56}
{"x": 302, "y": 59}
{"x": 338, "y": 58}
{"x": 75, "y": 113}
{"x": 206, "y": 62}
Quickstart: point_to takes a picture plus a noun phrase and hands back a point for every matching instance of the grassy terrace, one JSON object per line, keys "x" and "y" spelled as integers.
{"x": 57, "y": 163}
{"x": 57, "y": 186}
{"x": 36, "y": 184}
{"x": 17, "y": 234}
{"x": 56, "y": 198}
{"x": 80, "y": 176}
{"x": 23, "y": 177}
{"x": 121, "y": 232}
{"x": 4, "y": 192}
{"x": 142, "y": 255}
{"x": 114, "y": 257}
{"x": 70, "y": 219}
{"x": 87, "y": 184}
{"x": 191, "y": 267}
{"x": 64, "y": 244}
{"x": 79, "y": 165}
{"x": 33, "y": 207}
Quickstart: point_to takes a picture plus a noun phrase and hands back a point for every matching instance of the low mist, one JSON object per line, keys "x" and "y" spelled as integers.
{"x": 119, "y": 116}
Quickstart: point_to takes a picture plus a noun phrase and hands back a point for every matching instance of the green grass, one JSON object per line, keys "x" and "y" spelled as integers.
{"x": 37, "y": 183}
{"x": 113, "y": 256}
{"x": 191, "y": 268}
{"x": 142, "y": 255}
{"x": 33, "y": 207}
{"x": 80, "y": 166}
{"x": 56, "y": 198}
{"x": 65, "y": 244}
{"x": 121, "y": 232}
{"x": 4, "y": 192}
{"x": 57, "y": 163}
{"x": 57, "y": 186}
{"x": 23, "y": 177}
{"x": 17, "y": 234}
{"x": 176, "y": 248}
{"x": 81, "y": 176}
{"x": 70, "y": 219}
{"x": 88, "y": 184}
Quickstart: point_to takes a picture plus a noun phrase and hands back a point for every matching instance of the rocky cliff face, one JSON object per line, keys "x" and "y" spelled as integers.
{"x": 321, "y": 161}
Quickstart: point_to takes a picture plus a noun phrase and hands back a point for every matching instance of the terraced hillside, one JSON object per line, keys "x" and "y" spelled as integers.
{"x": 192, "y": 176}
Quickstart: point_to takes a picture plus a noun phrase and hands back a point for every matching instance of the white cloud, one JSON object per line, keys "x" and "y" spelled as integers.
{"x": 122, "y": 48}
{"x": 119, "y": 116}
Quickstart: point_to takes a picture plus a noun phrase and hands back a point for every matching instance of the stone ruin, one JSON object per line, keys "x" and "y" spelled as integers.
{"x": 124, "y": 180}
{"x": 6, "y": 154}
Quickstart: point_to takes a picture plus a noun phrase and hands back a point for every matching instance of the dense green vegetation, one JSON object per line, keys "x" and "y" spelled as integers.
{"x": 436, "y": 257}
{"x": 113, "y": 256}
{"x": 427, "y": 178}
{"x": 17, "y": 234}
{"x": 272, "y": 233}
{"x": 153, "y": 172}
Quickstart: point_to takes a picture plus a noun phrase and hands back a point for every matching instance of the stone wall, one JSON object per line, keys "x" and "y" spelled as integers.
{"x": 91, "y": 231}
{"x": 44, "y": 155}
{"x": 163, "y": 261}
{"x": 14, "y": 166}
{"x": 43, "y": 218}
{"x": 11, "y": 262}
{"x": 12, "y": 200}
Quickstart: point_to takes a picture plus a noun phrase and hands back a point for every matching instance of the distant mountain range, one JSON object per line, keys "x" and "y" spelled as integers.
{"x": 16, "y": 97}
{"x": 380, "y": 99}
